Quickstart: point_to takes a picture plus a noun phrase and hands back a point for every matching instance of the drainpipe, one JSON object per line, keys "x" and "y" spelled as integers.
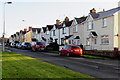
{"x": 59, "y": 35}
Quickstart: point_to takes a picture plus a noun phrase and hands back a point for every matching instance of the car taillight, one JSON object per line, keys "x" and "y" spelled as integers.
{"x": 81, "y": 50}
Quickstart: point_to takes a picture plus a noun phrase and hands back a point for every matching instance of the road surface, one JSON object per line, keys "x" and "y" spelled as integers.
{"x": 106, "y": 69}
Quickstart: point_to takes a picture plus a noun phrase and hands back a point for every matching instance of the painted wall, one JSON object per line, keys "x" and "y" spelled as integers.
{"x": 27, "y": 37}
{"x": 116, "y": 30}
{"x": 98, "y": 28}
{"x": 119, "y": 28}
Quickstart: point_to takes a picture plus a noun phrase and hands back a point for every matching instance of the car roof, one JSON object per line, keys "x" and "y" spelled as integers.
{"x": 72, "y": 45}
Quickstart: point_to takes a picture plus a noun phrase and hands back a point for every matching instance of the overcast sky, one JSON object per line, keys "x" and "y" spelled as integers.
{"x": 39, "y": 13}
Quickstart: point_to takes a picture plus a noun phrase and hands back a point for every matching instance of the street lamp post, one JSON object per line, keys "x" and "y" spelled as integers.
{"x": 3, "y": 37}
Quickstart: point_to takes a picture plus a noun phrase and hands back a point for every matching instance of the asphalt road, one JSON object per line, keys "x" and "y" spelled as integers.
{"x": 103, "y": 69}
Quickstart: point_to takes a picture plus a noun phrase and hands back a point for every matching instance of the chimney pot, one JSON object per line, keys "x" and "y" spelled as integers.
{"x": 57, "y": 21}
{"x": 93, "y": 10}
{"x": 25, "y": 30}
{"x": 30, "y": 28}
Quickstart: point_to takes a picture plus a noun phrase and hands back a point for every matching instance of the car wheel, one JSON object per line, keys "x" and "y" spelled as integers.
{"x": 33, "y": 49}
{"x": 60, "y": 54}
{"x": 68, "y": 54}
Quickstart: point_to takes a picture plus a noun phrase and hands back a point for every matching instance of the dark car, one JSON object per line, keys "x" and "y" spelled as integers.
{"x": 38, "y": 46}
{"x": 26, "y": 45}
{"x": 71, "y": 50}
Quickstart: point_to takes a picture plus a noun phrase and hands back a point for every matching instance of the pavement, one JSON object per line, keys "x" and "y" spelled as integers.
{"x": 106, "y": 69}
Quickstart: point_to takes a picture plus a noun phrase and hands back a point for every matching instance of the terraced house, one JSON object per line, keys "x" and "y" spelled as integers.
{"x": 101, "y": 30}
{"x": 97, "y": 31}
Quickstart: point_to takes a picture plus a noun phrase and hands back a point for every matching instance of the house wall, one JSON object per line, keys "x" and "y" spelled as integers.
{"x": 21, "y": 38}
{"x": 56, "y": 34}
{"x": 27, "y": 37}
{"x": 74, "y": 23}
{"x": 80, "y": 33}
{"x": 11, "y": 39}
{"x": 119, "y": 29}
{"x": 63, "y": 35}
{"x": 115, "y": 30}
{"x": 47, "y": 37}
{"x": 98, "y": 28}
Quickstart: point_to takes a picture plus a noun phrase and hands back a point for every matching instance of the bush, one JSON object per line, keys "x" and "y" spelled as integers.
{"x": 53, "y": 46}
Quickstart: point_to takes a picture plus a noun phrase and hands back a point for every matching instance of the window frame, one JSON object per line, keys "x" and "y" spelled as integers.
{"x": 64, "y": 30}
{"x": 90, "y": 25}
{"x": 54, "y": 33}
{"x": 105, "y": 40}
{"x": 104, "y": 22}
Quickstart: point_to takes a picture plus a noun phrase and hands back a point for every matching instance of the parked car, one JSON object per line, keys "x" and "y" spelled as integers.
{"x": 71, "y": 50}
{"x": 12, "y": 44}
{"x": 26, "y": 45}
{"x": 18, "y": 45}
{"x": 38, "y": 46}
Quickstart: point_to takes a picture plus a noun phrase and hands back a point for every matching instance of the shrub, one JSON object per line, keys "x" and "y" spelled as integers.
{"x": 53, "y": 46}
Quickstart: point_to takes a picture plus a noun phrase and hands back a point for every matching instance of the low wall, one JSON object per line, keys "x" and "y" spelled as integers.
{"x": 114, "y": 53}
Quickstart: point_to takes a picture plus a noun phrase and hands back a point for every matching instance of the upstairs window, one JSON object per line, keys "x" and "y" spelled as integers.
{"x": 64, "y": 30}
{"x": 75, "y": 29}
{"x": 53, "y": 32}
{"x": 104, "y": 22}
{"x": 90, "y": 25}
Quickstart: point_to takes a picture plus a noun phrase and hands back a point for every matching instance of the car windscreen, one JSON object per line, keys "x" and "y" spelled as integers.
{"x": 75, "y": 47}
{"x": 27, "y": 43}
{"x": 40, "y": 43}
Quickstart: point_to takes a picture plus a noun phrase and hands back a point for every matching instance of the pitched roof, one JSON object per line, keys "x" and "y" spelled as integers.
{"x": 44, "y": 29}
{"x": 68, "y": 23}
{"x": 49, "y": 27}
{"x": 38, "y": 30}
{"x": 80, "y": 20}
{"x": 12, "y": 36}
{"x": 105, "y": 13}
{"x": 58, "y": 26}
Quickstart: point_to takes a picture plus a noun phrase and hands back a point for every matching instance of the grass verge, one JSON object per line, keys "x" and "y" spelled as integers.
{"x": 18, "y": 66}
{"x": 85, "y": 56}
{"x": 93, "y": 57}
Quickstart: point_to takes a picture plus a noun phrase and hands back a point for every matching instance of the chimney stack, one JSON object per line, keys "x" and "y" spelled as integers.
{"x": 25, "y": 30}
{"x": 93, "y": 10}
{"x": 57, "y": 21}
{"x": 66, "y": 19}
{"x": 21, "y": 30}
{"x": 29, "y": 28}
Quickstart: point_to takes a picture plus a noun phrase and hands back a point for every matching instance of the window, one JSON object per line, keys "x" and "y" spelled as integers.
{"x": 104, "y": 22}
{"x": 64, "y": 30}
{"x": 69, "y": 41}
{"x": 78, "y": 42}
{"x": 75, "y": 29}
{"x": 47, "y": 32}
{"x": 90, "y": 25}
{"x": 53, "y": 32}
{"x": 105, "y": 39}
{"x": 62, "y": 41}
{"x": 75, "y": 47}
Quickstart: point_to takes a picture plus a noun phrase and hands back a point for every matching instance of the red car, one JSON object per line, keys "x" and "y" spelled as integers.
{"x": 71, "y": 50}
{"x": 38, "y": 46}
